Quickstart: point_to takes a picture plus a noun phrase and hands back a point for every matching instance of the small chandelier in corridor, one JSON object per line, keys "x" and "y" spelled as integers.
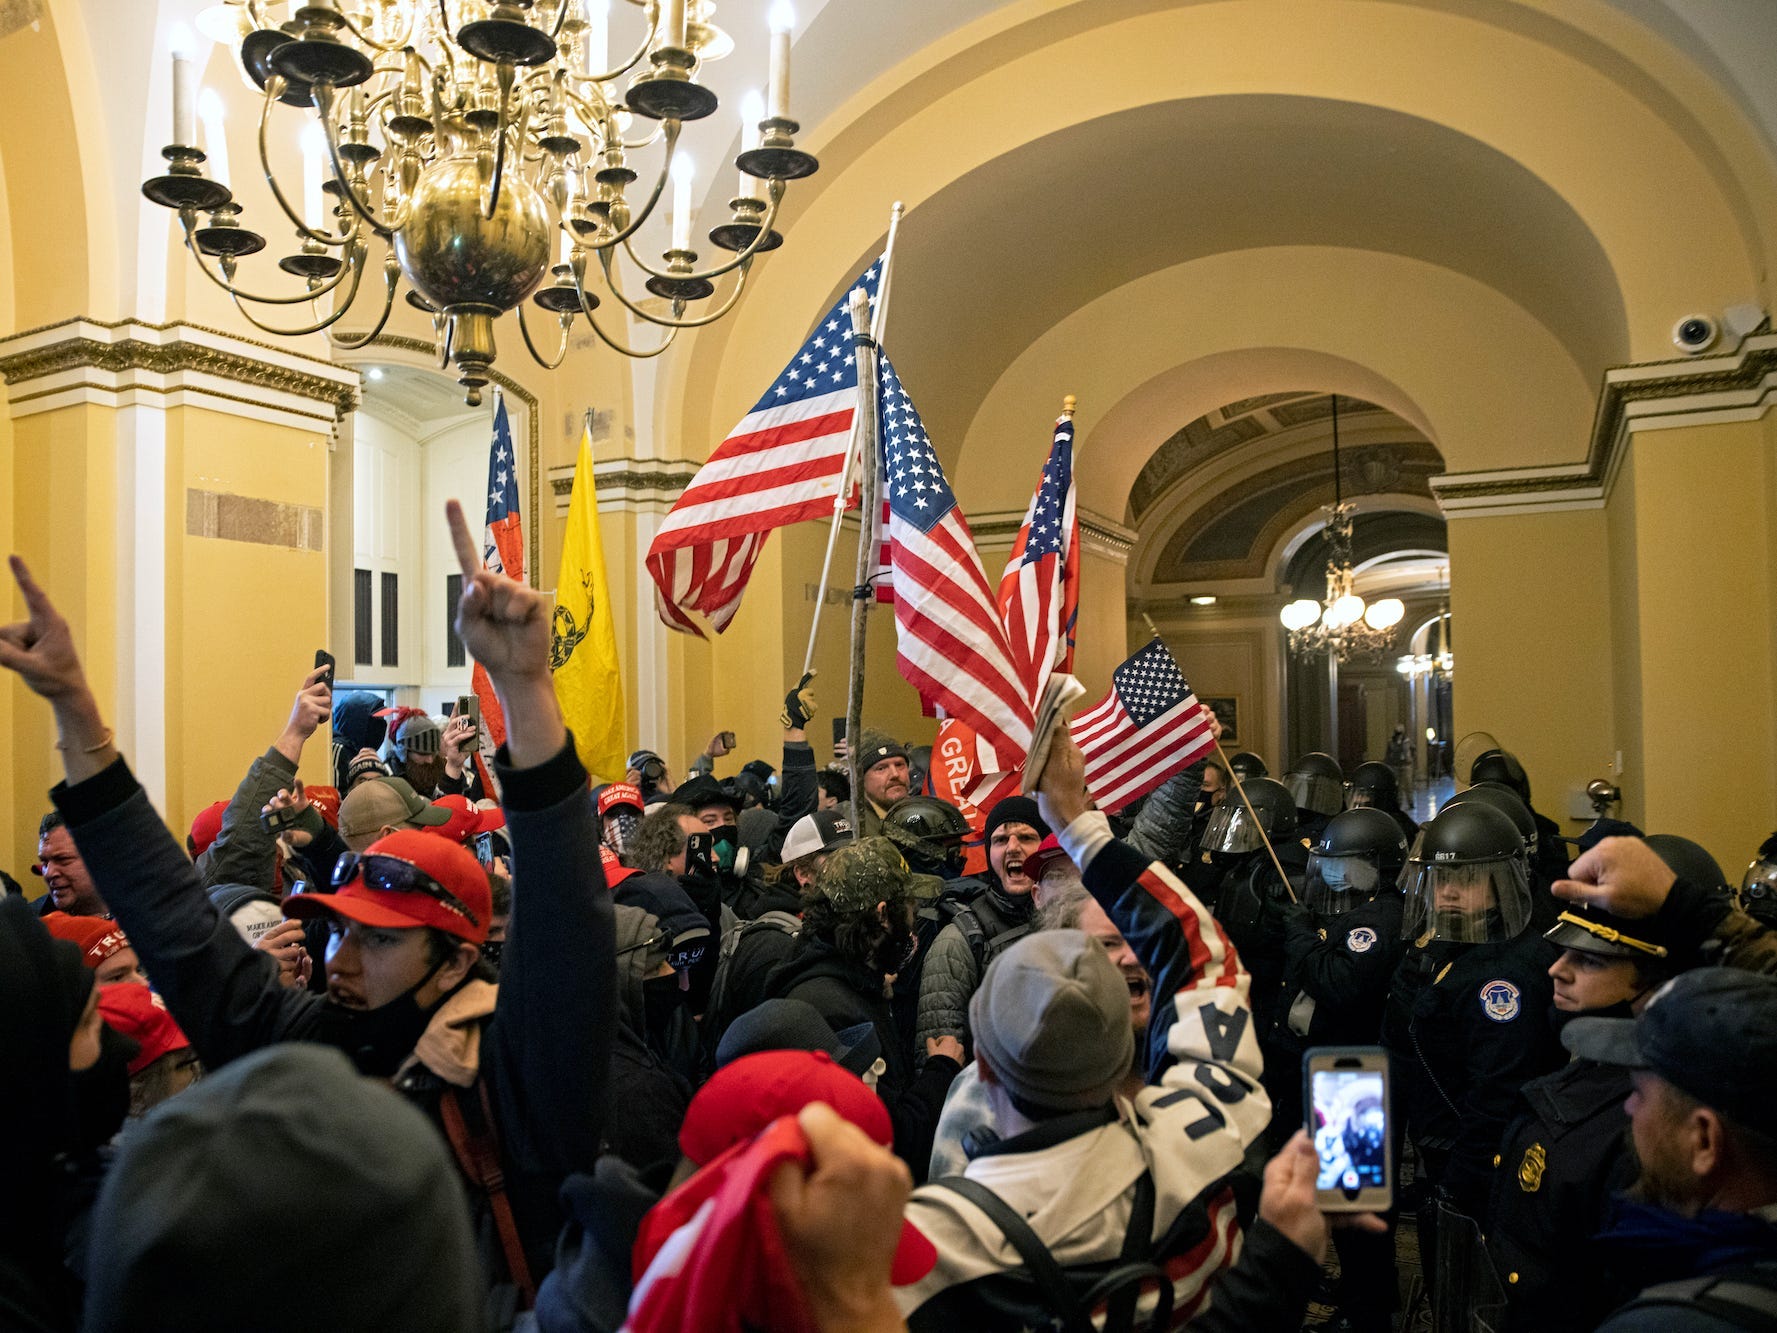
{"x": 1341, "y": 625}
{"x": 489, "y": 145}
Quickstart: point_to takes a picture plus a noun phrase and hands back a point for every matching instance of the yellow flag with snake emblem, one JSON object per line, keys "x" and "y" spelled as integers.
{"x": 583, "y": 642}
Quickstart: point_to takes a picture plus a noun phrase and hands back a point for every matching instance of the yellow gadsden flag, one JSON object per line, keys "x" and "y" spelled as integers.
{"x": 583, "y": 643}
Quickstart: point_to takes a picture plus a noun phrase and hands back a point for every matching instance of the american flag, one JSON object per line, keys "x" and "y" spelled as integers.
{"x": 1040, "y": 590}
{"x": 502, "y": 552}
{"x": 780, "y": 465}
{"x": 950, "y": 644}
{"x": 1149, "y": 727}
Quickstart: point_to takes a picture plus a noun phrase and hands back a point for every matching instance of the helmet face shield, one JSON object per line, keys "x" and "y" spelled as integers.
{"x": 1231, "y": 829}
{"x": 1317, "y": 792}
{"x": 1466, "y": 902}
{"x": 1336, "y": 884}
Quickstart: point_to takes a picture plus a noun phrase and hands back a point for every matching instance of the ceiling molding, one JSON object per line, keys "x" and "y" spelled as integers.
{"x": 1740, "y": 385}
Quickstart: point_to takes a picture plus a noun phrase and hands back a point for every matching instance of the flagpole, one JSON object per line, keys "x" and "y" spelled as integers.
{"x": 1238, "y": 786}
{"x": 864, "y": 349}
{"x": 820, "y": 600}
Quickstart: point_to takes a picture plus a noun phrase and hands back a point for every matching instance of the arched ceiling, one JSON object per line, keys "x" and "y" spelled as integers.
{"x": 992, "y": 260}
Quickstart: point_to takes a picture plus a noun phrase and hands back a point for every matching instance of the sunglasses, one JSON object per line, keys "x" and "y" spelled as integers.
{"x": 388, "y": 874}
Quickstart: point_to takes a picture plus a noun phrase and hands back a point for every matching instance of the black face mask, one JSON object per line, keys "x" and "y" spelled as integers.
{"x": 101, "y": 1094}
{"x": 378, "y": 1040}
{"x": 1560, "y": 1018}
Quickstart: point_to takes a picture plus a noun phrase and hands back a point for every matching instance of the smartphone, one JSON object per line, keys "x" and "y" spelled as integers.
{"x": 1350, "y": 1118}
{"x": 277, "y": 821}
{"x": 485, "y": 851}
{"x": 700, "y": 853}
{"x": 323, "y": 658}
{"x": 839, "y": 731}
{"x": 470, "y": 707}
{"x": 728, "y": 740}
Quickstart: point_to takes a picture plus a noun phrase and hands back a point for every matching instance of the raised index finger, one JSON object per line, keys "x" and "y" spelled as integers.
{"x": 35, "y": 598}
{"x": 468, "y": 554}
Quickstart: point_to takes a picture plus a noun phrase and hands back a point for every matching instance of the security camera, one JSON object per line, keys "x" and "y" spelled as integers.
{"x": 1694, "y": 334}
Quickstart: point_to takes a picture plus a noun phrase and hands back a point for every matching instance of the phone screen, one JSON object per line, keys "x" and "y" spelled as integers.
{"x": 1350, "y": 1123}
{"x": 838, "y": 730}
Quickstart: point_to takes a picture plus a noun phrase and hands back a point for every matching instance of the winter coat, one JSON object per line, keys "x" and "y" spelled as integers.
{"x": 542, "y": 1049}
{"x": 951, "y": 971}
{"x": 244, "y": 852}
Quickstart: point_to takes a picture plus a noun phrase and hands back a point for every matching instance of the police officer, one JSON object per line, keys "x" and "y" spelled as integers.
{"x": 1248, "y": 766}
{"x": 1544, "y": 905}
{"x": 1502, "y": 766}
{"x": 1341, "y": 948}
{"x": 929, "y": 833}
{"x": 1567, "y": 1151}
{"x": 1374, "y": 785}
{"x": 1318, "y": 785}
{"x": 1466, "y": 1016}
{"x": 1249, "y": 894}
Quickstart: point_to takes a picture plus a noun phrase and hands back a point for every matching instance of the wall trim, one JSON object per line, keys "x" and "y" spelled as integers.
{"x": 131, "y": 362}
{"x": 644, "y": 485}
{"x": 1740, "y": 385}
{"x": 1099, "y": 534}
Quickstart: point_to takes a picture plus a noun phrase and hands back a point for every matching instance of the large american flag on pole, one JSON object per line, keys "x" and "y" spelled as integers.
{"x": 950, "y": 644}
{"x": 502, "y": 552}
{"x": 1039, "y": 596}
{"x": 1149, "y": 727}
{"x": 780, "y": 465}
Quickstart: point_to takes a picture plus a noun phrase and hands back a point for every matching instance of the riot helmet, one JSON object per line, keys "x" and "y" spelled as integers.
{"x": 1317, "y": 783}
{"x": 1358, "y": 853}
{"x": 1506, "y": 801}
{"x": 1231, "y": 829}
{"x": 928, "y": 831}
{"x": 1375, "y": 784}
{"x": 1688, "y": 860}
{"x": 1470, "y": 748}
{"x": 1501, "y": 766}
{"x": 1758, "y": 886}
{"x": 1248, "y": 766}
{"x": 1468, "y": 879}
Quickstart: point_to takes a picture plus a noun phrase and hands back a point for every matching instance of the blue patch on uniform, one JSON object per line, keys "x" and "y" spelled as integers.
{"x": 1361, "y": 940}
{"x": 1501, "y": 1001}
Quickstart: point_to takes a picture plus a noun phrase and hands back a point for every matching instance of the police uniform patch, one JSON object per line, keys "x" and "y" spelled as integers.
{"x": 1530, "y": 1170}
{"x": 1500, "y": 1000}
{"x": 1361, "y": 939}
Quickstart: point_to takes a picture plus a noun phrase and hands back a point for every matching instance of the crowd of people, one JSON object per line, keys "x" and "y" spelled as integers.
{"x": 471, "y": 1041}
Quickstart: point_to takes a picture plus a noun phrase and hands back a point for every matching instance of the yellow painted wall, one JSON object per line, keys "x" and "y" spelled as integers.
{"x": 1704, "y": 591}
{"x": 1625, "y": 630}
{"x": 1529, "y": 597}
{"x": 244, "y": 618}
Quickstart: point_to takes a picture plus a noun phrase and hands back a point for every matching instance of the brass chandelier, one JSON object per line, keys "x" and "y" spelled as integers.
{"x": 1341, "y": 626}
{"x": 472, "y": 137}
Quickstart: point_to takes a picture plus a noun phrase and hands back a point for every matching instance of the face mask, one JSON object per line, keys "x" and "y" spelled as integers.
{"x": 620, "y": 829}
{"x": 378, "y": 1040}
{"x": 1560, "y": 1018}
{"x": 727, "y": 842}
{"x": 101, "y": 1094}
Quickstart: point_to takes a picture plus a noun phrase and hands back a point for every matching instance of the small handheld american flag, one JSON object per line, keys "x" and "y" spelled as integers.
{"x": 1149, "y": 727}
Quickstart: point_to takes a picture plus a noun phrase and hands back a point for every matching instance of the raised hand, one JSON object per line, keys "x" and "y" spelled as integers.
{"x": 458, "y": 732}
{"x": 503, "y": 623}
{"x": 1623, "y": 876}
{"x": 41, "y": 649}
{"x": 313, "y": 706}
{"x": 1061, "y": 786}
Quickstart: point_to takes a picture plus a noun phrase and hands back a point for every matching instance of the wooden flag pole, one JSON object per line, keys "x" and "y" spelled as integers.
{"x": 851, "y": 453}
{"x": 864, "y": 350}
{"x": 1240, "y": 787}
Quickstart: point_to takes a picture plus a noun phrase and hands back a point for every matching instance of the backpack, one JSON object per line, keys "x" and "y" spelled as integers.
{"x": 1045, "y": 1294}
{"x": 788, "y": 922}
{"x": 1745, "y": 1298}
{"x": 957, "y": 904}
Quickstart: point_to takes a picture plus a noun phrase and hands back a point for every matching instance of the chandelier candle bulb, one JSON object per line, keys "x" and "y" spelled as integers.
{"x": 682, "y": 171}
{"x": 314, "y": 151}
{"x": 184, "y": 97}
{"x": 598, "y": 27}
{"x": 672, "y": 24}
{"x": 209, "y": 107}
{"x": 783, "y": 18}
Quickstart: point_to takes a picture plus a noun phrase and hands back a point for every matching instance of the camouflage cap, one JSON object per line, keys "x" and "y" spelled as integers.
{"x": 861, "y": 874}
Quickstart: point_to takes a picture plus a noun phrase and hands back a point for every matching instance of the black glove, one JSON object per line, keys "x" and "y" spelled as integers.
{"x": 799, "y": 705}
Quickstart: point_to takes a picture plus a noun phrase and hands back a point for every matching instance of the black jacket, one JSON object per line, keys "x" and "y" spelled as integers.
{"x": 543, "y": 1054}
{"x": 846, "y": 995}
{"x": 1249, "y": 904}
{"x": 1336, "y": 974}
{"x": 1553, "y": 1177}
{"x": 1467, "y": 1026}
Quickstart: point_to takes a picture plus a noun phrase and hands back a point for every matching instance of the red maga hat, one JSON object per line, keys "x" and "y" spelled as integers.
{"x": 409, "y": 878}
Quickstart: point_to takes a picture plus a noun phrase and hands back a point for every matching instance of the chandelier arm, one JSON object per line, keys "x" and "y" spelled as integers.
{"x": 640, "y": 219}
{"x": 605, "y": 260}
{"x": 640, "y": 51}
{"x": 502, "y": 131}
{"x": 356, "y": 268}
{"x": 391, "y": 279}
{"x": 187, "y": 219}
{"x": 561, "y": 13}
{"x": 764, "y": 233}
{"x": 562, "y": 355}
{"x": 330, "y": 131}
{"x": 274, "y": 86}
{"x": 371, "y": 42}
{"x": 631, "y": 352}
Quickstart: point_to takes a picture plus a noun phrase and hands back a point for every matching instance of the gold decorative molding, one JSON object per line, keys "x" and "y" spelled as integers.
{"x": 123, "y": 349}
{"x": 1658, "y": 395}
